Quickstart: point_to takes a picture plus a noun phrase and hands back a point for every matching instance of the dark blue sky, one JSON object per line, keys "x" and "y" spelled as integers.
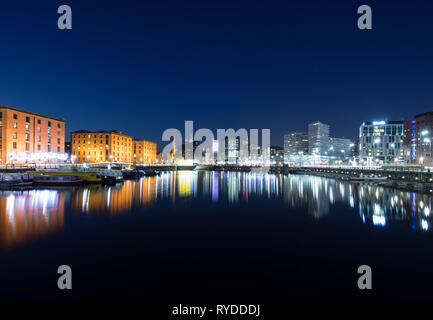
{"x": 144, "y": 66}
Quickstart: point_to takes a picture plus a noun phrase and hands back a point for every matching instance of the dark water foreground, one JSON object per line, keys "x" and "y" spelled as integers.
{"x": 205, "y": 236}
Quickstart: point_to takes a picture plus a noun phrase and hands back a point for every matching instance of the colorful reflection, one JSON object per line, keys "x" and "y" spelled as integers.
{"x": 26, "y": 215}
{"x": 115, "y": 199}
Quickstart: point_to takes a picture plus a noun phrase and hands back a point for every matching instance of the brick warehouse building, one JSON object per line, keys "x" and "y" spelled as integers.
{"x": 27, "y": 137}
{"x": 101, "y": 146}
{"x": 144, "y": 151}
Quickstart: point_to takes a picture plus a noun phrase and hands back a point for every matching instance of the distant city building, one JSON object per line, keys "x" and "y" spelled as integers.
{"x": 318, "y": 139}
{"x": 231, "y": 150}
{"x": 340, "y": 148}
{"x": 277, "y": 155}
{"x": 144, "y": 152}
{"x": 381, "y": 142}
{"x": 101, "y": 146}
{"x": 295, "y": 147}
{"x": 27, "y": 137}
{"x": 421, "y": 134}
{"x": 409, "y": 141}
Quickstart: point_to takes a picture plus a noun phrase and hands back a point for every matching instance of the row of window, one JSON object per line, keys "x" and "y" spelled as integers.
{"x": 15, "y": 126}
{"x": 88, "y": 136}
{"x": 14, "y": 135}
{"x": 38, "y": 147}
{"x": 94, "y": 153}
{"x": 39, "y": 121}
{"x": 94, "y": 148}
{"x": 106, "y": 142}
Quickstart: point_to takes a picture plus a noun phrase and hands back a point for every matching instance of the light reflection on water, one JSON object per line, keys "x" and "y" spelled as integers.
{"x": 27, "y": 215}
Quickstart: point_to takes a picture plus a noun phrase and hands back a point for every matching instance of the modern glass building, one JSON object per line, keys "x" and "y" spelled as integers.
{"x": 381, "y": 142}
{"x": 295, "y": 147}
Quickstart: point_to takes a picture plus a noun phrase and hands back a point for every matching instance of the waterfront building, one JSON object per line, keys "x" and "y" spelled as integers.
{"x": 101, "y": 146}
{"x": 144, "y": 152}
{"x": 381, "y": 142}
{"x": 318, "y": 139}
{"x": 27, "y": 137}
{"x": 420, "y": 139}
{"x": 295, "y": 147}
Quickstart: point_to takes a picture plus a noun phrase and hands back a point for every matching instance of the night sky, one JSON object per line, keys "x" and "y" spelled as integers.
{"x": 145, "y": 66}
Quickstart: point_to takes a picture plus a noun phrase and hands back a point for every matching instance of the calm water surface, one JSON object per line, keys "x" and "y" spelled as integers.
{"x": 215, "y": 235}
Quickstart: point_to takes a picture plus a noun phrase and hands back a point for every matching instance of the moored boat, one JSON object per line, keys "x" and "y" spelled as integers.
{"x": 152, "y": 173}
{"x": 86, "y": 176}
{"x": 56, "y": 180}
{"x": 133, "y": 174}
{"x": 15, "y": 180}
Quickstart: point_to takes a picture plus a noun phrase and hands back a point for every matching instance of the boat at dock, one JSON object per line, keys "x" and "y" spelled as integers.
{"x": 15, "y": 180}
{"x": 110, "y": 176}
{"x": 56, "y": 180}
{"x": 133, "y": 174}
{"x": 152, "y": 173}
{"x": 85, "y": 176}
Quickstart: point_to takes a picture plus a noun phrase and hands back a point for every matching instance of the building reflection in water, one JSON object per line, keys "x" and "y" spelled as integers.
{"x": 115, "y": 199}
{"x": 26, "y": 215}
{"x": 376, "y": 205}
{"x": 29, "y": 214}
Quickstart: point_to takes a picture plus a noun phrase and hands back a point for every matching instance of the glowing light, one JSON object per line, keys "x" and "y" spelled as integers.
{"x": 378, "y": 123}
{"x": 379, "y": 220}
{"x": 37, "y": 156}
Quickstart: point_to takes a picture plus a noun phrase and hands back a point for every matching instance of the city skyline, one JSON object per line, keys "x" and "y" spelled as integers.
{"x": 204, "y": 60}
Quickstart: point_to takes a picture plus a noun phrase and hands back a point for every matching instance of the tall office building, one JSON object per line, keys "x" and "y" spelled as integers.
{"x": 27, "y": 137}
{"x": 318, "y": 139}
{"x": 295, "y": 147}
{"x": 381, "y": 142}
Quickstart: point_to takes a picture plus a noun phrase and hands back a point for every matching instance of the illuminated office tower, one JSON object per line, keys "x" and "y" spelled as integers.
{"x": 318, "y": 139}
{"x": 381, "y": 142}
{"x": 421, "y": 138}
